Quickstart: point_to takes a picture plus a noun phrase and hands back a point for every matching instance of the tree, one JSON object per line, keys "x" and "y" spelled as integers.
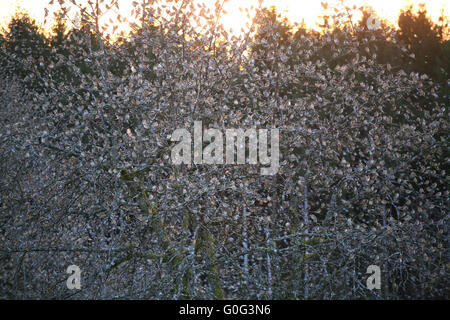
{"x": 86, "y": 173}
{"x": 423, "y": 38}
{"x": 26, "y": 50}
{"x": 272, "y": 34}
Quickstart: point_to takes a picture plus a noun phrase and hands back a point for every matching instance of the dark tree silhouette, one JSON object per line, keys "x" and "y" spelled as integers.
{"x": 424, "y": 39}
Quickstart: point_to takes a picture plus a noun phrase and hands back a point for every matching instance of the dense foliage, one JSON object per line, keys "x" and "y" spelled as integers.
{"x": 86, "y": 176}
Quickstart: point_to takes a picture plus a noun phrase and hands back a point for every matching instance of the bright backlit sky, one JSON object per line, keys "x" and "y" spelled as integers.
{"x": 295, "y": 10}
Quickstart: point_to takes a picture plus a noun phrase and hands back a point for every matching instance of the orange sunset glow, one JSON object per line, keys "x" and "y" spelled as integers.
{"x": 295, "y": 10}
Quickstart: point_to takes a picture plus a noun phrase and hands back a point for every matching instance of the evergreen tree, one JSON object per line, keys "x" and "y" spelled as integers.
{"x": 424, "y": 39}
{"x": 273, "y": 33}
{"x": 27, "y": 49}
{"x": 61, "y": 70}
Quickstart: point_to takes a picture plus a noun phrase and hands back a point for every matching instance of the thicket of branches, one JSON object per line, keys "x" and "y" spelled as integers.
{"x": 86, "y": 176}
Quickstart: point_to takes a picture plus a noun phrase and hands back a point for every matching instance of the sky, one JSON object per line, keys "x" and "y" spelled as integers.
{"x": 294, "y": 10}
